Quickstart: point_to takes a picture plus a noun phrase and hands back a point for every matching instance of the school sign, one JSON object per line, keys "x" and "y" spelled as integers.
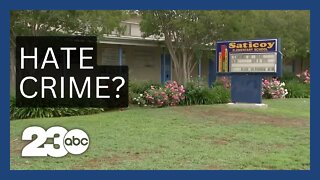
{"x": 247, "y": 62}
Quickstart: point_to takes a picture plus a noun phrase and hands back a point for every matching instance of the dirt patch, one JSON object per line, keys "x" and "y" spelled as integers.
{"x": 216, "y": 140}
{"x": 214, "y": 167}
{"x": 221, "y": 141}
{"x": 113, "y": 162}
{"x": 96, "y": 163}
{"x": 16, "y": 146}
{"x": 232, "y": 116}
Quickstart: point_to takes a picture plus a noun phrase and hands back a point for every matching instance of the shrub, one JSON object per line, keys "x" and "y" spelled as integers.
{"x": 175, "y": 92}
{"x": 223, "y": 81}
{"x": 304, "y": 76}
{"x": 273, "y": 89}
{"x": 156, "y": 97}
{"x": 205, "y": 95}
{"x": 195, "y": 95}
{"x": 141, "y": 87}
{"x": 221, "y": 95}
{"x": 296, "y": 89}
{"x": 138, "y": 99}
{"x": 138, "y": 88}
{"x": 169, "y": 95}
{"x": 288, "y": 76}
{"x": 41, "y": 112}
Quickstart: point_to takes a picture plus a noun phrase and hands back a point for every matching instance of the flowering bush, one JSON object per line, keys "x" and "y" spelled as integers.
{"x": 175, "y": 92}
{"x": 169, "y": 95}
{"x": 139, "y": 99}
{"x": 156, "y": 97}
{"x": 225, "y": 81}
{"x": 305, "y": 76}
{"x": 273, "y": 89}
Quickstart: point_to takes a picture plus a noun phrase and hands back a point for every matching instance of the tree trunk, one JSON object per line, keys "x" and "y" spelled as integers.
{"x": 12, "y": 70}
{"x": 182, "y": 64}
{"x": 182, "y": 61}
{"x": 185, "y": 66}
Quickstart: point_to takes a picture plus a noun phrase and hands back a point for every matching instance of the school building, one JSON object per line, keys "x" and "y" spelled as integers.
{"x": 148, "y": 58}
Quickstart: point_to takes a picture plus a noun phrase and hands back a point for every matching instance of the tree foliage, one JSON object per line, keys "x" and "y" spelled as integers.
{"x": 186, "y": 34}
{"x": 189, "y": 33}
{"x": 67, "y": 22}
{"x": 292, "y": 27}
{"x": 60, "y": 22}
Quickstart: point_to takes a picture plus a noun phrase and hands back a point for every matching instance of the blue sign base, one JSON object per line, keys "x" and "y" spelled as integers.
{"x": 246, "y": 88}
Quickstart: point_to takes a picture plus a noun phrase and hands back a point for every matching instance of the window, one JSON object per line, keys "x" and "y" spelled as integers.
{"x": 132, "y": 29}
{"x": 110, "y": 56}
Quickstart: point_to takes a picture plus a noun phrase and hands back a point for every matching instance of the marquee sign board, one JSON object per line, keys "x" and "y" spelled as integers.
{"x": 253, "y": 62}
{"x": 247, "y": 62}
{"x": 248, "y": 56}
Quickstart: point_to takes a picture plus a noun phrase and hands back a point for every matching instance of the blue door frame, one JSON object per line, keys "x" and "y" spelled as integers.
{"x": 212, "y": 75}
{"x": 165, "y": 68}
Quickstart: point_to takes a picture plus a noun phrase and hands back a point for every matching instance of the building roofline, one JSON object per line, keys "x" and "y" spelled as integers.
{"x": 138, "y": 41}
{"x": 133, "y": 41}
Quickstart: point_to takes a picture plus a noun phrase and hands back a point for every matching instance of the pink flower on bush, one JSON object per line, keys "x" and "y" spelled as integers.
{"x": 170, "y": 95}
{"x": 225, "y": 81}
{"x": 273, "y": 89}
{"x": 305, "y": 76}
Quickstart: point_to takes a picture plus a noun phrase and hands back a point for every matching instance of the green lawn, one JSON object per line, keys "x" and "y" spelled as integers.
{"x": 184, "y": 137}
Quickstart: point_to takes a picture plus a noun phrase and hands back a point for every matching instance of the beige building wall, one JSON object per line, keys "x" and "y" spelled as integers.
{"x": 143, "y": 62}
{"x": 195, "y": 73}
{"x": 205, "y": 69}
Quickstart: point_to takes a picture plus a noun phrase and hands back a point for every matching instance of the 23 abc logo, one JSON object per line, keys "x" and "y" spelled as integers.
{"x": 74, "y": 141}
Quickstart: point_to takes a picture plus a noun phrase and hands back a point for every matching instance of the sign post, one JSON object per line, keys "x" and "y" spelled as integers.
{"x": 247, "y": 62}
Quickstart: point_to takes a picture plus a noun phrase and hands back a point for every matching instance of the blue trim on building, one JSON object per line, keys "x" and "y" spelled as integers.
{"x": 161, "y": 66}
{"x": 120, "y": 56}
{"x": 211, "y": 74}
{"x": 199, "y": 68}
{"x": 166, "y": 65}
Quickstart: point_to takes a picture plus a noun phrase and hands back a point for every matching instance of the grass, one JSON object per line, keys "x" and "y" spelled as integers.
{"x": 184, "y": 137}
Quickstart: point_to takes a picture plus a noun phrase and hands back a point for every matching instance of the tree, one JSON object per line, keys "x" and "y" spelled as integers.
{"x": 292, "y": 27}
{"x": 187, "y": 33}
{"x": 53, "y": 22}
